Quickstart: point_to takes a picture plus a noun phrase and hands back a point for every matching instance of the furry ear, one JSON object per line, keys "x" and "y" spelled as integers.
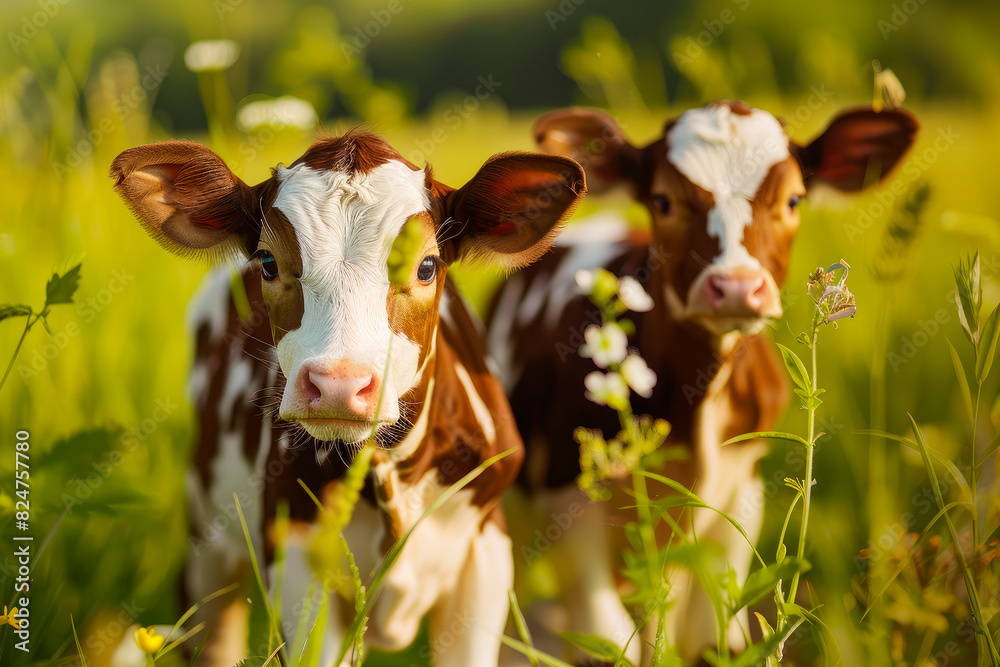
{"x": 856, "y": 145}
{"x": 593, "y": 139}
{"x": 513, "y": 208}
{"x": 187, "y": 199}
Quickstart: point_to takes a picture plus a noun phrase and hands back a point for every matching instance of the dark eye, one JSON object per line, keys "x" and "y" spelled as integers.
{"x": 427, "y": 269}
{"x": 794, "y": 201}
{"x": 661, "y": 204}
{"x": 268, "y": 265}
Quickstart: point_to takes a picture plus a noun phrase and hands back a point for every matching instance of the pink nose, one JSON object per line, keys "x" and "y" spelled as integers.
{"x": 737, "y": 293}
{"x": 342, "y": 389}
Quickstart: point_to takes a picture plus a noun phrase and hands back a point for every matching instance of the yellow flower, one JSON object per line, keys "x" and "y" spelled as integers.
{"x": 8, "y": 618}
{"x": 148, "y": 641}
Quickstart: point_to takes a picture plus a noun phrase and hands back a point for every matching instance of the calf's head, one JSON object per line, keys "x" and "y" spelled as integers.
{"x": 722, "y": 187}
{"x": 321, "y": 231}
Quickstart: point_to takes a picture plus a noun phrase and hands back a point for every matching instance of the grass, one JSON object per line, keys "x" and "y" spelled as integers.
{"x": 111, "y": 429}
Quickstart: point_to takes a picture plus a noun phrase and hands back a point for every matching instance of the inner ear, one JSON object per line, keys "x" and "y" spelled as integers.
{"x": 856, "y": 145}
{"x": 511, "y": 211}
{"x": 187, "y": 199}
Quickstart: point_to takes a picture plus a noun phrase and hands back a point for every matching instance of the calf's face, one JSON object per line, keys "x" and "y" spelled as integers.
{"x": 321, "y": 231}
{"x": 722, "y": 187}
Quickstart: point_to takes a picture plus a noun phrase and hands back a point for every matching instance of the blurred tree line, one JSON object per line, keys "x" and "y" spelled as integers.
{"x": 387, "y": 59}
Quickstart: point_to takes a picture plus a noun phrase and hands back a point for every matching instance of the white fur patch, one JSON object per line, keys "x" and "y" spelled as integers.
{"x": 729, "y": 155}
{"x": 346, "y": 224}
{"x": 478, "y": 406}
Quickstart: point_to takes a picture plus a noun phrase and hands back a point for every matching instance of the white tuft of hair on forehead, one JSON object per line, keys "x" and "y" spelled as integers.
{"x": 345, "y": 225}
{"x": 729, "y": 155}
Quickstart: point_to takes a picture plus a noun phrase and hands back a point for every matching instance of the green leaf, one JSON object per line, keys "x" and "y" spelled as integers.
{"x": 762, "y": 581}
{"x": 984, "y": 360}
{"x": 988, "y": 451}
{"x": 61, "y": 288}
{"x": 796, "y": 369}
{"x": 968, "y": 297}
{"x": 599, "y": 647}
{"x": 695, "y": 501}
{"x": 766, "y": 632}
{"x": 963, "y": 381}
{"x": 773, "y": 435}
{"x": 14, "y": 310}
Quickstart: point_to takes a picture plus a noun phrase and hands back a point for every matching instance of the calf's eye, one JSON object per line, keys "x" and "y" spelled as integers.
{"x": 427, "y": 269}
{"x": 661, "y": 204}
{"x": 268, "y": 265}
{"x": 794, "y": 201}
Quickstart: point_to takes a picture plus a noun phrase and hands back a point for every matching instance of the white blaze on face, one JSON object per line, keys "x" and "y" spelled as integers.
{"x": 729, "y": 155}
{"x": 345, "y": 225}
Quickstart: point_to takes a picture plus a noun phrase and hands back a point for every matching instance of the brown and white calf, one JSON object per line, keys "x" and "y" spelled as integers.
{"x": 721, "y": 185}
{"x": 319, "y": 233}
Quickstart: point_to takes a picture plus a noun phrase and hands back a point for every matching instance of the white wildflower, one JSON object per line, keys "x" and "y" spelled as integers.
{"x": 633, "y": 295}
{"x": 606, "y": 389}
{"x": 606, "y": 344}
{"x": 638, "y": 375}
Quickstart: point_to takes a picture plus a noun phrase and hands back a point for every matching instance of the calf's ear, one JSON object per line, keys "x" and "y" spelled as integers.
{"x": 512, "y": 210}
{"x": 187, "y": 198}
{"x": 593, "y": 139}
{"x": 858, "y": 149}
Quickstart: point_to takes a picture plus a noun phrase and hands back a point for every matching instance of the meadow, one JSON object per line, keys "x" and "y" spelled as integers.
{"x": 101, "y": 391}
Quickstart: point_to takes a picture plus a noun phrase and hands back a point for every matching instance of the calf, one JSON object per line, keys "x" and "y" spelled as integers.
{"x": 721, "y": 186}
{"x": 319, "y": 234}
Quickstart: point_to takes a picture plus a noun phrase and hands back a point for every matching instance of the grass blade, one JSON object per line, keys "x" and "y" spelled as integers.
{"x": 521, "y": 625}
{"x": 938, "y": 456}
{"x": 272, "y": 621}
{"x": 772, "y": 435}
{"x": 984, "y": 361}
{"x": 533, "y": 652}
{"x": 963, "y": 381}
{"x": 912, "y": 550}
{"x": 79, "y": 650}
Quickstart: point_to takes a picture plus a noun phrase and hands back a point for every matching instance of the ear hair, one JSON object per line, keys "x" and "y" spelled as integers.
{"x": 188, "y": 200}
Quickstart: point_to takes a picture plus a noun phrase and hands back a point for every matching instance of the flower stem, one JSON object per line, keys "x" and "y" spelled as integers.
{"x": 28, "y": 323}
{"x": 975, "y": 475}
{"x": 807, "y": 486}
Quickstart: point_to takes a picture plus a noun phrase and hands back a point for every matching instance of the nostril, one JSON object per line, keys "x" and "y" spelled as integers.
{"x": 714, "y": 291}
{"x": 310, "y": 387}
